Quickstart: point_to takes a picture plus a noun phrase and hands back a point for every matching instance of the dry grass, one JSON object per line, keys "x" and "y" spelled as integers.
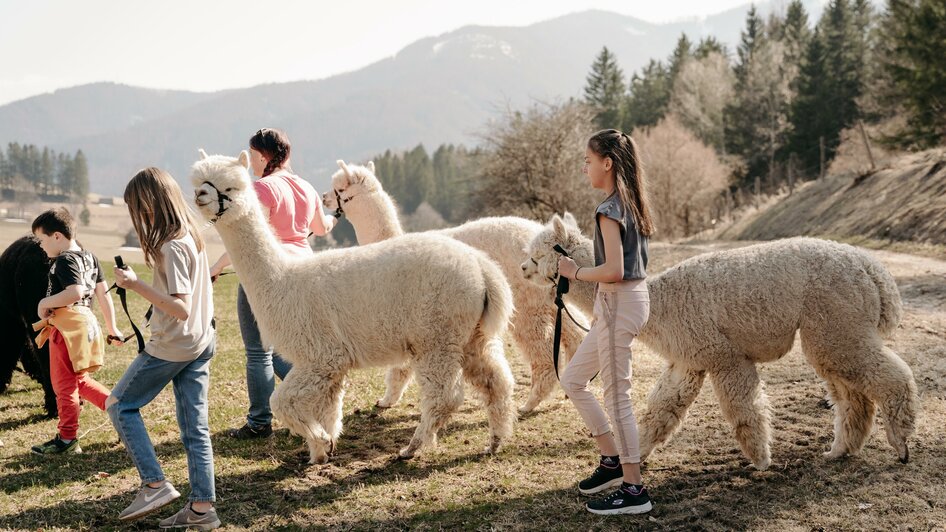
{"x": 699, "y": 480}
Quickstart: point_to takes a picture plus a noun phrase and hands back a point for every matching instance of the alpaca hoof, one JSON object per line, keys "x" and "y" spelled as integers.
{"x": 382, "y": 404}
{"x": 834, "y": 454}
{"x": 405, "y": 454}
{"x": 905, "y": 457}
{"x": 762, "y": 465}
{"x": 318, "y": 460}
{"x": 494, "y": 445}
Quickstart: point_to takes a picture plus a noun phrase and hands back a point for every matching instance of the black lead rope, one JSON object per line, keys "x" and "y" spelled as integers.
{"x": 560, "y": 290}
{"x": 122, "y": 296}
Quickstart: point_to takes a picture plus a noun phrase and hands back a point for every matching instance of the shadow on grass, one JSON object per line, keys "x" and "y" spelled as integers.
{"x": 28, "y": 420}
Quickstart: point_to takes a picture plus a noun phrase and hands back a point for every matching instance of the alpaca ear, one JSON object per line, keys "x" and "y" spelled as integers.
{"x": 569, "y": 219}
{"x": 370, "y": 166}
{"x": 558, "y": 226}
{"x": 244, "y": 159}
{"x": 203, "y": 154}
{"x": 344, "y": 167}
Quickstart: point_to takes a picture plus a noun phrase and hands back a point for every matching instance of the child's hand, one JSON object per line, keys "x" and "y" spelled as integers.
{"x": 567, "y": 267}
{"x": 43, "y": 311}
{"x": 115, "y": 337}
{"x": 125, "y": 278}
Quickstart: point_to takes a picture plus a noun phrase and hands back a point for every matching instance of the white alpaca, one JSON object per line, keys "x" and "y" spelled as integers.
{"x": 722, "y": 313}
{"x": 372, "y": 213}
{"x": 425, "y": 300}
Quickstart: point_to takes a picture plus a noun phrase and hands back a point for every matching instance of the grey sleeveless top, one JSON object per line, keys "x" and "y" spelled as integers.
{"x": 633, "y": 243}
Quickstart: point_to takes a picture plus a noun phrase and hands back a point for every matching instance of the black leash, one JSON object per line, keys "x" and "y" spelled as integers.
{"x": 560, "y": 290}
{"x": 122, "y": 296}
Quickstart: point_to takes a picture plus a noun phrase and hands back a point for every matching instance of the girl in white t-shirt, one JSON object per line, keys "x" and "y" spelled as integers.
{"x": 179, "y": 351}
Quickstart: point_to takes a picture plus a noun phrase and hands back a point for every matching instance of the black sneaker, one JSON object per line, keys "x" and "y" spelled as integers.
{"x": 57, "y": 446}
{"x": 247, "y": 432}
{"x": 608, "y": 474}
{"x": 626, "y": 500}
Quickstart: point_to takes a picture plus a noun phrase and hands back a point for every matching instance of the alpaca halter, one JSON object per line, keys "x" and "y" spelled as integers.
{"x": 339, "y": 201}
{"x": 220, "y": 199}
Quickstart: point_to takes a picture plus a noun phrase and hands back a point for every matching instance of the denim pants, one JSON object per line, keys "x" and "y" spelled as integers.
{"x": 261, "y": 365}
{"x": 144, "y": 379}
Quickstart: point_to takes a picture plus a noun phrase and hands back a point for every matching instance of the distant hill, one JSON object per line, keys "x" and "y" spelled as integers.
{"x": 441, "y": 89}
{"x": 902, "y": 201}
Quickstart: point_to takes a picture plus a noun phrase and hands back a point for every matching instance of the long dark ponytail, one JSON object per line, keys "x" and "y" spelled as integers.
{"x": 628, "y": 173}
{"x": 274, "y": 145}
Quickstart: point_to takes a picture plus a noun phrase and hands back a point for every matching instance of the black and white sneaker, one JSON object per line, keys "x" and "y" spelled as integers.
{"x": 626, "y": 500}
{"x": 608, "y": 474}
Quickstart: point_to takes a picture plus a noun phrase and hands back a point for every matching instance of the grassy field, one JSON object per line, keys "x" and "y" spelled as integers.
{"x": 700, "y": 480}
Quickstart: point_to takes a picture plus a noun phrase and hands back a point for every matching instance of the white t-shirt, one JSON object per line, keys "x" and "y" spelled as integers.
{"x": 182, "y": 270}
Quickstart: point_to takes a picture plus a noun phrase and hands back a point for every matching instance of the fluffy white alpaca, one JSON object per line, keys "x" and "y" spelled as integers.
{"x": 425, "y": 300}
{"x": 722, "y": 313}
{"x": 372, "y": 213}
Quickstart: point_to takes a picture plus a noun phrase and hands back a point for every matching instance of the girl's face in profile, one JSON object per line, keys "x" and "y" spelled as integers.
{"x": 599, "y": 170}
{"x": 257, "y": 162}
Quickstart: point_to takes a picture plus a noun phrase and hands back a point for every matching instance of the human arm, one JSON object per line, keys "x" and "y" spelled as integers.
{"x": 321, "y": 223}
{"x": 69, "y": 295}
{"x": 612, "y": 270}
{"x": 108, "y": 308}
{"x": 218, "y": 266}
{"x": 176, "y": 305}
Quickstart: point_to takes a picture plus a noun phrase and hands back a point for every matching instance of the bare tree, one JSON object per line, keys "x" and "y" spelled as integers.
{"x": 684, "y": 176}
{"x": 700, "y": 94}
{"x": 532, "y": 163}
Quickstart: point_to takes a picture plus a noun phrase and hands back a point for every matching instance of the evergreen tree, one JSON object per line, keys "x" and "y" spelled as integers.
{"x": 47, "y": 171}
{"x": 911, "y": 57}
{"x": 709, "y": 45}
{"x": 649, "y": 96}
{"x": 80, "y": 173}
{"x": 604, "y": 89}
{"x": 680, "y": 55}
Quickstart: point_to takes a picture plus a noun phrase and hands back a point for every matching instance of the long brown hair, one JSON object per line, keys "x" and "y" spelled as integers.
{"x": 628, "y": 174}
{"x": 159, "y": 212}
{"x": 274, "y": 145}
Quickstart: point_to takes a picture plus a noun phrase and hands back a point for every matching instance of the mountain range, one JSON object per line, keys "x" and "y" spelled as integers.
{"x": 442, "y": 89}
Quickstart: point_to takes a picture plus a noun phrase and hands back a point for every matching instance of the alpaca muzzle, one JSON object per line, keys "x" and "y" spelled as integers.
{"x": 221, "y": 197}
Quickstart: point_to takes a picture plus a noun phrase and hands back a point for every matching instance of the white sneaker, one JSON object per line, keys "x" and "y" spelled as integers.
{"x": 149, "y": 500}
{"x": 188, "y": 518}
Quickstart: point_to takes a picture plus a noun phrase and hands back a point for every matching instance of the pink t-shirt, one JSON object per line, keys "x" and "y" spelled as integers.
{"x": 294, "y": 209}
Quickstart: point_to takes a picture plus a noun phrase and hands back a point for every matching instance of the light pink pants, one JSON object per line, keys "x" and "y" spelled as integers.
{"x": 620, "y": 311}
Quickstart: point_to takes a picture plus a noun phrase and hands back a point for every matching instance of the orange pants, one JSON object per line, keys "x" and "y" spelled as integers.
{"x": 69, "y": 386}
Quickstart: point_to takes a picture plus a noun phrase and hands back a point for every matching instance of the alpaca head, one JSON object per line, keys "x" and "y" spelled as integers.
{"x": 351, "y": 184}
{"x": 222, "y": 187}
{"x": 542, "y": 264}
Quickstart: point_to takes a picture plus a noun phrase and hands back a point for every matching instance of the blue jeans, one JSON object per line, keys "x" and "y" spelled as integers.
{"x": 261, "y": 365}
{"x": 144, "y": 379}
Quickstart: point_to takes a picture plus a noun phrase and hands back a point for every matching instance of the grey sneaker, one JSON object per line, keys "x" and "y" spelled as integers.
{"x": 149, "y": 500}
{"x": 188, "y": 518}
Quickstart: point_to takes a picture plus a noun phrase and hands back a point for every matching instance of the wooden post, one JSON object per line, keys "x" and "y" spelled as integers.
{"x": 758, "y": 190}
{"x": 791, "y": 173}
{"x": 821, "y": 142}
{"x": 870, "y": 153}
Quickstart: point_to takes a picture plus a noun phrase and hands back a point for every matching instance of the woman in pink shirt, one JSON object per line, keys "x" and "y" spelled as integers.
{"x": 294, "y": 210}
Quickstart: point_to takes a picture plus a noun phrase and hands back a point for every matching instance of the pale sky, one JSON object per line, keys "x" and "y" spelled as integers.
{"x": 207, "y": 45}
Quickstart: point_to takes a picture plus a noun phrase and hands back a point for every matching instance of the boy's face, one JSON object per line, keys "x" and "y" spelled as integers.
{"x": 53, "y": 244}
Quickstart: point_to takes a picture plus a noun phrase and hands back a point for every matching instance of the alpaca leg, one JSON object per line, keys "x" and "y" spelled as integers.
{"x": 532, "y": 333}
{"x": 853, "y": 419}
{"x": 395, "y": 382}
{"x": 439, "y": 376}
{"x": 667, "y": 405}
{"x": 310, "y": 404}
{"x": 486, "y": 369}
{"x": 11, "y": 353}
{"x": 36, "y": 365}
{"x": 868, "y": 368}
{"x": 744, "y": 404}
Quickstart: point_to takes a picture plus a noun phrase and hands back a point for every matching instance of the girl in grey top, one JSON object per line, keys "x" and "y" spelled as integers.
{"x": 622, "y": 306}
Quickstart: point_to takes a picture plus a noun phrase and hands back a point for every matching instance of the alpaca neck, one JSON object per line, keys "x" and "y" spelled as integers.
{"x": 375, "y": 219}
{"x": 583, "y": 293}
{"x": 254, "y": 251}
